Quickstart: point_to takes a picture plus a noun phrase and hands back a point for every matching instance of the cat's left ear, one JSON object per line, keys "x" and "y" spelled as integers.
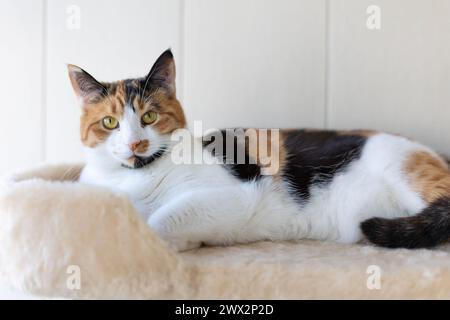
{"x": 85, "y": 85}
{"x": 163, "y": 72}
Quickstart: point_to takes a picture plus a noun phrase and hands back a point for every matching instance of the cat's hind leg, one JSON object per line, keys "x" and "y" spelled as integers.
{"x": 429, "y": 176}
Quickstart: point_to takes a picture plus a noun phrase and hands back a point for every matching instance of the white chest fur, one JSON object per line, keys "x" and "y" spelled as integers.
{"x": 151, "y": 187}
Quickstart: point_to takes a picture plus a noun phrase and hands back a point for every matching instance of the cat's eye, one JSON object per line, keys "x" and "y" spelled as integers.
{"x": 110, "y": 123}
{"x": 149, "y": 117}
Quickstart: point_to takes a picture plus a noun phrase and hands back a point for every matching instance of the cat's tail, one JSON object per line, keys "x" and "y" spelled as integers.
{"x": 427, "y": 229}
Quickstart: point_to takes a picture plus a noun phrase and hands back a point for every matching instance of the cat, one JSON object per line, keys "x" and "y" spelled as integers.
{"x": 342, "y": 186}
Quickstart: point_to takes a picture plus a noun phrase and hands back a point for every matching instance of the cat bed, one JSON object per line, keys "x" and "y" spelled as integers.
{"x": 63, "y": 239}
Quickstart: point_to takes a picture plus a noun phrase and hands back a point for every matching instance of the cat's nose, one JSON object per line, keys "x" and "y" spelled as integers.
{"x": 134, "y": 145}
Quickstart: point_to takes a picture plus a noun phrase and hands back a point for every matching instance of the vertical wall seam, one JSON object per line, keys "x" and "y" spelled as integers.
{"x": 182, "y": 49}
{"x": 326, "y": 122}
{"x": 44, "y": 82}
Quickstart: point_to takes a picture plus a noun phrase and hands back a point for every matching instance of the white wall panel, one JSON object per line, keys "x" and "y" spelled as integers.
{"x": 20, "y": 83}
{"x": 396, "y": 78}
{"x": 255, "y": 63}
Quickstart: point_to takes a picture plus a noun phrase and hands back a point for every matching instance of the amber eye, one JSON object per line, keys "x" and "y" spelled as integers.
{"x": 110, "y": 123}
{"x": 149, "y": 117}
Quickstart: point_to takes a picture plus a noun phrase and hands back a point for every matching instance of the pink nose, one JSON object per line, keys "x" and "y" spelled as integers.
{"x": 134, "y": 145}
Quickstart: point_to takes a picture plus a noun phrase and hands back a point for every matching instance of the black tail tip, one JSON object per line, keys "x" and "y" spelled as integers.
{"x": 379, "y": 232}
{"x": 400, "y": 233}
{"x": 429, "y": 228}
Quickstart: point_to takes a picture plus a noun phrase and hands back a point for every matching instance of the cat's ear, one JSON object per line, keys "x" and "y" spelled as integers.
{"x": 163, "y": 72}
{"x": 85, "y": 86}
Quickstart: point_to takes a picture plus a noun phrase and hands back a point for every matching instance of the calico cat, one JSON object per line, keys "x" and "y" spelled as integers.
{"x": 330, "y": 185}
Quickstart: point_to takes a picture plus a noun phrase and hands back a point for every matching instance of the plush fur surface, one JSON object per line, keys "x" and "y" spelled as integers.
{"x": 48, "y": 222}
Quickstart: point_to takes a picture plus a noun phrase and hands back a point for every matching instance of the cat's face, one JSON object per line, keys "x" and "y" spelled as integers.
{"x": 129, "y": 121}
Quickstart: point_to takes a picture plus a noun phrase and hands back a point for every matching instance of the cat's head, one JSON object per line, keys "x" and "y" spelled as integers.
{"x": 129, "y": 122}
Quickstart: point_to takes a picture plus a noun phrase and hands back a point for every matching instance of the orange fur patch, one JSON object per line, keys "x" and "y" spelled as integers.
{"x": 142, "y": 146}
{"x": 170, "y": 115}
{"x": 428, "y": 175}
{"x": 91, "y": 127}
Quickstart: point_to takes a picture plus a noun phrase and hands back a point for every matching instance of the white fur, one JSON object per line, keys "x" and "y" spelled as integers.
{"x": 193, "y": 204}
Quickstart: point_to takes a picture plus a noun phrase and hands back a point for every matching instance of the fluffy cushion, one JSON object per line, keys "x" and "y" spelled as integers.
{"x": 52, "y": 226}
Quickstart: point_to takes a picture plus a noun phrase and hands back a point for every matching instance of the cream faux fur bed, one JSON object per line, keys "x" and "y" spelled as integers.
{"x": 53, "y": 228}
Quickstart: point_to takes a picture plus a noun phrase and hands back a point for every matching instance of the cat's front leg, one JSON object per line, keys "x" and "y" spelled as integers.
{"x": 212, "y": 216}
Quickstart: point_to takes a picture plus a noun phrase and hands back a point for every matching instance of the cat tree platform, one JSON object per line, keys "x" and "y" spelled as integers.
{"x": 62, "y": 239}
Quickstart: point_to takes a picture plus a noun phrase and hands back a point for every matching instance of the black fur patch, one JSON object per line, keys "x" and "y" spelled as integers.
{"x": 426, "y": 229}
{"x": 141, "y": 87}
{"x": 245, "y": 171}
{"x": 133, "y": 88}
{"x": 315, "y": 157}
{"x": 141, "y": 162}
